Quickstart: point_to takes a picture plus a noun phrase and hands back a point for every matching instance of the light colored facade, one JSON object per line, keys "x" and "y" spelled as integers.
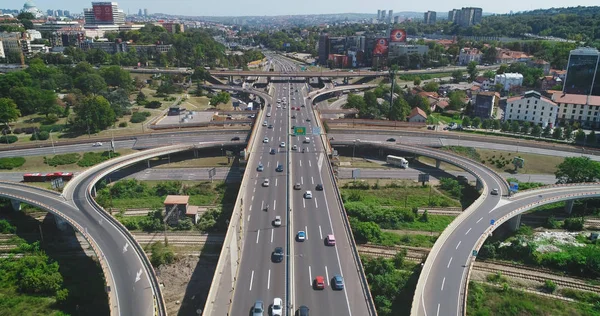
{"x": 397, "y": 49}
{"x": 584, "y": 109}
{"x": 115, "y": 16}
{"x": 468, "y": 55}
{"x": 531, "y": 107}
{"x": 430, "y": 17}
{"x": 509, "y": 80}
{"x": 417, "y": 116}
{"x": 2, "y": 54}
{"x": 33, "y": 34}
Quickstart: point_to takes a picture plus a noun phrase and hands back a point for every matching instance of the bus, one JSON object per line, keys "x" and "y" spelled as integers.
{"x": 397, "y": 161}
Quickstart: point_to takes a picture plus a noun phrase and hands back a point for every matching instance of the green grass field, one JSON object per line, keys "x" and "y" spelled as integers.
{"x": 402, "y": 196}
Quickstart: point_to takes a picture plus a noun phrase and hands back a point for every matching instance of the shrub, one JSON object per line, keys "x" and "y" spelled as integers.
{"x": 51, "y": 119}
{"x": 8, "y": 139}
{"x": 161, "y": 254}
{"x": 139, "y": 117}
{"x": 11, "y": 162}
{"x": 53, "y": 128}
{"x": 123, "y": 124}
{"x": 93, "y": 158}
{"x": 573, "y": 224}
{"x": 131, "y": 224}
{"x": 6, "y": 227}
{"x": 59, "y": 160}
{"x": 153, "y": 105}
{"x": 185, "y": 224}
{"x": 549, "y": 286}
{"x": 43, "y": 135}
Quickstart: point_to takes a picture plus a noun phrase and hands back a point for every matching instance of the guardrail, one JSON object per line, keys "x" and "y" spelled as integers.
{"x": 201, "y": 124}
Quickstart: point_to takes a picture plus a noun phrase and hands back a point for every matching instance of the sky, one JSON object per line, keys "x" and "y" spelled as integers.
{"x": 283, "y": 7}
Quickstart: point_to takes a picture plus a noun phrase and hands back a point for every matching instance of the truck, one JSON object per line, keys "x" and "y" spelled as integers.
{"x": 397, "y": 161}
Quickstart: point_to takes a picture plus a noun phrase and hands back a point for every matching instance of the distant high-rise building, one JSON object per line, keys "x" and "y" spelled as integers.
{"x": 453, "y": 15}
{"x": 60, "y": 12}
{"x": 397, "y": 19}
{"x": 469, "y": 16}
{"x": 323, "y": 49}
{"x": 50, "y": 12}
{"x": 67, "y": 13}
{"x": 104, "y": 13}
{"x": 140, "y": 12}
{"x": 378, "y": 15}
{"x": 430, "y": 17}
{"x": 145, "y": 12}
{"x": 382, "y": 15}
{"x": 583, "y": 74}
{"x": 390, "y": 16}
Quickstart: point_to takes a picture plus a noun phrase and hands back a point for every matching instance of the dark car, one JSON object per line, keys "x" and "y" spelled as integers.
{"x": 319, "y": 187}
{"x": 279, "y": 168}
{"x": 391, "y": 139}
{"x": 302, "y": 311}
{"x": 338, "y": 282}
{"x": 308, "y": 119}
{"x": 272, "y": 152}
{"x": 277, "y": 255}
{"x": 235, "y": 138}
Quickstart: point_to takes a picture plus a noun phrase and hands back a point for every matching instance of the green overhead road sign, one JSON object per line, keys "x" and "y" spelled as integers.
{"x": 299, "y": 130}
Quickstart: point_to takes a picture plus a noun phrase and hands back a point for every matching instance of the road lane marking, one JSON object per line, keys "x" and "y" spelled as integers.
{"x": 327, "y": 275}
{"x": 253, "y": 198}
{"x": 320, "y": 232}
{"x": 268, "y": 164}
{"x": 443, "y": 281}
{"x": 448, "y": 266}
{"x": 275, "y": 204}
{"x": 248, "y": 217}
{"x": 251, "y": 279}
{"x": 468, "y": 230}
{"x": 309, "y": 164}
{"x": 272, "y": 230}
{"x": 306, "y": 232}
{"x": 300, "y": 163}
{"x": 458, "y": 244}
{"x": 250, "y": 208}
{"x": 254, "y": 190}
{"x": 255, "y": 182}
{"x": 479, "y": 220}
{"x": 316, "y": 204}
{"x": 301, "y": 180}
{"x": 438, "y": 310}
{"x": 257, "y": 235}
{"x": 262, "y": 205}
{"x": 309, "y": 276}
{"x": 304, "y": 203}
{"x": 275, "y": 181}
{"x": 312, "y": 180}
{"x": 269, "y": 280}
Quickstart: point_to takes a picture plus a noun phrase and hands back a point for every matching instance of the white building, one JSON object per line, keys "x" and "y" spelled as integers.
{"x": 468, "y": 55}
{"x": 397, "y": 49}
{"x": 531, "y": 107}
{"x": 509, "y": 80}
{"x": 30, "y": 7}
{"x": 581, "y": 108}
{"x": 2, "y": 54}
{"x": 33, "y": 34}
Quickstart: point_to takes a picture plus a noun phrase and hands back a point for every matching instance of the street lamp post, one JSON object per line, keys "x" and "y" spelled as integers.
{"x": 354, "y": 148}
{"x": 52, "y": 141}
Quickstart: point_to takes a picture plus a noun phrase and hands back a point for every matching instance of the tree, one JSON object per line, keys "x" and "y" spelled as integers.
{"x": 536, "y": 131}
{"x": 200, "y": 74}
{"x": 221, "y": 97}
{"x": 472, "y": 70}
{"x": 514, "y": 127}
{"x": 505, "y": 126}
{"x": 457, "y": 75}
{"x": 547, "y": 131}
{"x": 466, "y": 121}
{"x": 399, "y": 110}
{"x": 114, "y": 76}
{"x": 365, "y": 231}
{"x": 580, "y": 136}
{"x": 557, "y": 133}
{"x": 431, "y": 86}
{"x": 486, "y": 124}
{"x": 489, "y": 55}
{"x": 525, "y": 128}
{"x": 457, "y": 99}
{"x": 591, "y": 138}
{"x": 578, "y": 170}
{"x": 8, "y": 111}
{"x": 355, "y": 102}
{"x": 94, "y": 114}
{"x": 496, "y": 124}
{"x": 90, "y": 83}
{"x": 490, "y": 74}
{"x": 568, "y": 132}
{"x": 141, "y": 98}
{"x": 48, "y": 103}
{"x": 476, "y": 122}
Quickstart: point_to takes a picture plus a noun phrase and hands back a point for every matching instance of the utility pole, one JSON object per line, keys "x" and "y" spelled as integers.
{"x": 393, "y": 69}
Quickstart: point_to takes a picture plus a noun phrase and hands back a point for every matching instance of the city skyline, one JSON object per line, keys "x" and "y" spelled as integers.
{"x": 274, "y": 8}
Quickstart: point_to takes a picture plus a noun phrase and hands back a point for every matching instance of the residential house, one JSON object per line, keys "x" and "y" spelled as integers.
{"x": 548, "y": 82}
{"x": 468, "y": 55}
{"x": 509, "y": 80}
{"x": 540, "y": 63}
{"x": 417, "y": 115}
{"x": 177, "y": 207}
{"x": 531, "y": 107}
{"x": 430, "y": 96}
{"x": 581, "y": 108}
{"x": 562, "y": 74}
{"x": 484, "y": 104}
{"x": 507, "y": 56}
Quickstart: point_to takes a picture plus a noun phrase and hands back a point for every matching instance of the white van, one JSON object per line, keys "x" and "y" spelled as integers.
{"x": 306, "y": 140}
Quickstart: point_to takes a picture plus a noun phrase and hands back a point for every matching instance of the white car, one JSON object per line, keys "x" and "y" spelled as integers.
{"x": 97, "y": 144}
{"x": 282, "y": 145}
{"x": 268, "y": 114}
{"x": 265, "y": 123}
{"x": 278, "y": 106}
{"x": 308, "y": 195}
{"x": 295, "y": 147}
{"x": 266, "y": 183}
{"x": 277, "y": 221}
{"x": 266, "y": 140}
{"x": 277, "y": 309}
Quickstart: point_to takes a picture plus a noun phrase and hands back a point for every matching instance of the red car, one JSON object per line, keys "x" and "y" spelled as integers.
{"x": 297, "y": 109}
{"x": 319, "y": 283}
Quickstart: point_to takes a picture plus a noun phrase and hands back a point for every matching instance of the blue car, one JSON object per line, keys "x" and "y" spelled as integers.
{"x": 260, "y": 167}
{"x": 301, "y": 236}
{"x": 338, "y": 282}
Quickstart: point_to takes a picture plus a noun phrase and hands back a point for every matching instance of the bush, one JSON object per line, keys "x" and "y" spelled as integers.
{"x": 123, "y": 124}
{"x": 8, "y": 139}
{"x": 185, "y": 224}
{"x": 59, "y": 160}
{"x": 153, "y": 105}
{"x": 6, "y": 227}
{"x": 94, "y": 158}
{"x": 139, "y": 117}
{"x": 53, "y": 128}
{"x": 573, "y": 224}
{"x": 43, "y": 135}
{"x": 51, "y": 119}
{"x": 61, "y": 296}
{"x": 549, "y": 286}
{"x": 11, "y": 162}
{"x": 131, "y": 224}
{"x": 161, "y": 254}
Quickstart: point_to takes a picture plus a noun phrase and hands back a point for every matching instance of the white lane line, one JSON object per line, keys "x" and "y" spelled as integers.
{"x": 309, "y": 164}
{"x": 262, "y": 205}
{"x": 320, "y": 232}
{"x": 275, "y": 181}
{"x": 257, "y": 235}
{"x": 309, "y": 276}
{"x": 306, "y": 232}
{"x": 300, "y": 163}
{"x": 479, "y": 220}
{"x": 304, "y": 203}
{"x": 448, "y": 266}
{"x": 438, "y": 310}
{"x": 251, "y": 279}
{"x": 272, "y": 230}
{"x": 458, "y": 244}
{"x": 248, "y": 217}
{"x": 250, "y": 208}
{"x": 468, "y": 231}
{"x": 268, "y": 164}
{"x": 327, "y": 275}
{"x": 312, "y": 180}
{"x": 316, "y": 204}
{"x": 253, "y": 198}
{"x": 254, "y": 191}
{"x": 269, "y": 280}
{"x": 301, "y": 180}
{"x": 255, "y": 182}
{"x": 443, "y": 281}
{"x": 275, "y": 204}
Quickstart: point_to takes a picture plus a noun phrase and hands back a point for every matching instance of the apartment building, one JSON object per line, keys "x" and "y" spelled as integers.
{"x": 531, "y": 107}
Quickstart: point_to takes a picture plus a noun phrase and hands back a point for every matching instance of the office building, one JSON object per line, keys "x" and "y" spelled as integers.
{"x": 378, "y": 15}
{"x": 390, "y": 16}
{"x": 67, "y": 13}
{"x": 469, "y": 16}
{"x": 60, "y": 12}
{"x": 104, "y": 13}
{"x": 453, "y": 15}
{"x": 484, "y": 104}
{"x": 382, "y": 16}
{"x": 429, "y": 17}
{"x": 50, "y": 12}
{"x": 397, "y": 49}
{"x": 583, "y": 72}
{"x": 323, "y": 49}
{"x": 145, "y": 12}
{"x": 140, "y": 12}
{"x": 509, "y": 80}
{"x": 337, "y": 45}
{"x": 531, "y": 107}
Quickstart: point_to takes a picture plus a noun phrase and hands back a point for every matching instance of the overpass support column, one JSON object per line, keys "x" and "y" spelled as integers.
{"x": 61, "y": 224}
{"x": 514, "y": 222}
{"x": 16, "y": 205}
{"x": 569, "y": 206}
{"x": 438, "y": 163}
{"x": 478, "y": 185}
{"x": 195, "y": 153}
{"x": 345, "y": 80}
{"x": 230, "y": 80}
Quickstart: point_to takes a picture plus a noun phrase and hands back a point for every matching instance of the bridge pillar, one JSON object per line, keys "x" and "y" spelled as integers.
{"x": 148, "y": 163}
{"x": 569, "y": 206}
{"x": 16, "y": 205}
{"x": 438, "y": 163}
{"x": 61, "y": 224}
{"x": 230, "y": 79}
{"x": 478, "y": 185}
{"x": 195, "y": 153}
{"x": 345, "y": 80}
{"x": 514, "y": 223}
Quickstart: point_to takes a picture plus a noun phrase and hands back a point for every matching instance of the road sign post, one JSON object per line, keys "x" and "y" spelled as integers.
{"x": 211, "y": 173}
